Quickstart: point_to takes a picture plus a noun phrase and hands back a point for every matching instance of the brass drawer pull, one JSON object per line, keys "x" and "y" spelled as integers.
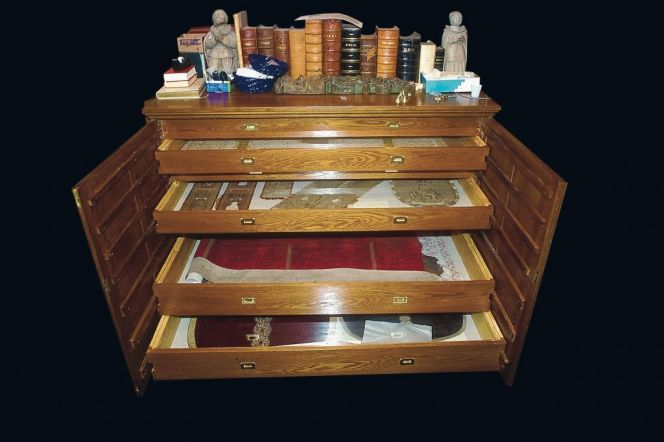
{"x": 253, "y": 337}
{"x": 407, "y": 361}
{"x": 400, "y": 219}
{"x": 246, "y": 161}
{"x": 250, "y": 127}
{"x": 400, "y": 300}
{"x": 397, "y": 159}
{"x": 393, "y": 125}
{"x": 248, "y": 301}
{"x": 248, "y": 221}
{"x": 247, "y": 365}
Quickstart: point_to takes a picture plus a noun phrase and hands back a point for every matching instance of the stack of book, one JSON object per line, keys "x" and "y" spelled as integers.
{"x": 181, "y": 84}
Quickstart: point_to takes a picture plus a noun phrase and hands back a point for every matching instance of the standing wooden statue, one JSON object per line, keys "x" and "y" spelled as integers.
{"x": 455, "y": 42}
{"x": 221, "y": 45}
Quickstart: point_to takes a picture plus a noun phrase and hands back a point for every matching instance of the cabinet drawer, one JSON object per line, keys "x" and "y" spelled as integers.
{"x": 169, "y": 362}
{"x": 253, "y": 128}
{"x": 334, "y": 296}
{"x": 380, "y": 209}
{"x": 180, "y": 157}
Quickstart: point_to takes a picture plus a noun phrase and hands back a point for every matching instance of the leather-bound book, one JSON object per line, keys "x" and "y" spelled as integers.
{"x": 313, "y": 45}
{"x": 368, "y": 55}
{"x": 427, "y": 57}
{"x": 265, "y": 40}
{"x": 298, "y": 62}
{"x": 439, "y": 61}
{"x": 387, "y": 43}
{"x": 331, "y": 47}
{"x": 248, "y": 43}
{"x": 408, "y": 58}
{"x": 350, "y": 49}
{"x": 282, "y": 44}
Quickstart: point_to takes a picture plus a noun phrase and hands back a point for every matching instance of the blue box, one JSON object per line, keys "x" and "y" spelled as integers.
{"x": 218, "y": 87}
{"x": 449, "y": 83}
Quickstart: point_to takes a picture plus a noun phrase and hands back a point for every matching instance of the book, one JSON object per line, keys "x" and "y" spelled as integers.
{"x": 439, "y": 61}
{"x": 180, "y": 83}
{"x": 331, "y": 46}
{"x": 297, "y": 53}
{"x": 248, "y": 43}
{"x": 313, "y": 47}
{"x": 427, "y": 58}
{"x": 282, "y": 44}
{"x": 185, "y": 74}
{"x": 196, "y": 90}
{"x": 387, "y": 43}
{"x": 239, "y": 21}
{"x": 350, "y": 49}
{"x": 408, "y": 57}
{"x": 368, "y": 55}
{"x": 265, "y": 40}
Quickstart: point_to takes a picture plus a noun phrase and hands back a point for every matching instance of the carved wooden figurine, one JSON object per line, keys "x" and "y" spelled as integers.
{"x": 221, "y": 45}
{"x": 455, "y": 42}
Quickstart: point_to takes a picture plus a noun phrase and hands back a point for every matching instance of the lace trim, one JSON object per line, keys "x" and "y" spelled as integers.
{"x": 262, "y": 329}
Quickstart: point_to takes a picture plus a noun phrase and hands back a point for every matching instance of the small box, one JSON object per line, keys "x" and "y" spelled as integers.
{"x": 436, "y": 81}
{"x": 191, "y": 43}
{"x": 218, "y": 87}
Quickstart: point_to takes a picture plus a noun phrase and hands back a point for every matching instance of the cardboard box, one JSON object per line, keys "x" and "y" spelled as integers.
{"x": 440, "y": 82}
{"x": 191, "y": 43}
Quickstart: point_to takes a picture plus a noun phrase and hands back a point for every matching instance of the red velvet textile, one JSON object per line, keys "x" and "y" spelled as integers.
{"x": 389, "y": 253}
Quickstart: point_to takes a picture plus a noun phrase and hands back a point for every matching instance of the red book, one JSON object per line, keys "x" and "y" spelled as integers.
{"x": 183, "y": 75}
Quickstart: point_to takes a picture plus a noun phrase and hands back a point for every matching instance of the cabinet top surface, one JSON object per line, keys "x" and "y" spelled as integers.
{"x": 271, "y": 104}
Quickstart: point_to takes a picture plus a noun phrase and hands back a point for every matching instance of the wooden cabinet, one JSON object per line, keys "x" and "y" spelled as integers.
{"x": 141, "y": 239}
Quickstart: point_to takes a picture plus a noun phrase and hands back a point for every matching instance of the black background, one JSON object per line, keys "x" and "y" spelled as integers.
{"x": 579, "y": 84}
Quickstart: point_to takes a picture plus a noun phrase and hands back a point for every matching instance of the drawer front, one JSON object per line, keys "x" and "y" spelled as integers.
{"x": 210, "y": 363}
{"x": 255, "y": 128}
{"x": 327, "y": 220}
{"x": 311, "y": 160}
{"x": 324, "y": 298}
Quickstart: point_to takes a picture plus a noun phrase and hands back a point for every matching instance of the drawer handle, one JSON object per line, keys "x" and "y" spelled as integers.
{"x": 397, "y": 159}
{"x": 248, "y": 221}
{"x": 400, "y": 300}
{"x": 246, "y": 161}
{"x": 393, "y": 125}
{"x": 250, "y": 127}
{"x": 247, "y": 365}
{"x": 407, "y": 361}
{"x": 253, "y": 337}
{"x": 400, "y": 219}
{"x": 248, "y": 300}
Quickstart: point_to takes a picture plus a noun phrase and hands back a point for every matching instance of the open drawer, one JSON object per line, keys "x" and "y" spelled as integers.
{"x": 323, "y": 206}
{"x": 306, "y": 155}
{"x": 466, "y": 285}
{"x": 474, "y": 350}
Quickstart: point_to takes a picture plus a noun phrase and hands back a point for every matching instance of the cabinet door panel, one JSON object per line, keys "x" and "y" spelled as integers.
{"x": 527, "y": 196}
{"x": 115, "y": 202}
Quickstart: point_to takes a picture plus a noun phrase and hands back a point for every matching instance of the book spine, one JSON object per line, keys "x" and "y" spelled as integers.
{"x": 439, "y": 61}
{"x": 331, "y": 47}
{"x": 282, "y": 45}
{"x": 265, "y": 40}
{"x": 387, "y": 43}
{"x": 313, "y": 45}
{"x": 368, "y": 56}
{"x": 298, "y": 65}
{"x": 408, "y": 57}
{"x": 248, "y": 43}
{"x": 427, "y": 57}
{"x": 350, "y": 49}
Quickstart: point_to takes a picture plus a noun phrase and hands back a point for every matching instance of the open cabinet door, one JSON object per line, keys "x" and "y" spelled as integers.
{"x": 115, "y": 202}
{"x": 527, "y": 196}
